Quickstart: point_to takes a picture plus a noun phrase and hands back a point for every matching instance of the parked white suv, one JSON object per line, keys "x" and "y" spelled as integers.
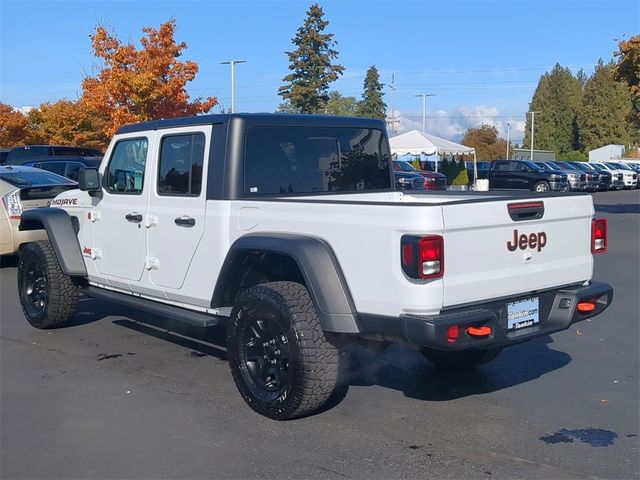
{"x": 288, "y": 230}
{"x": 629, "y": 176}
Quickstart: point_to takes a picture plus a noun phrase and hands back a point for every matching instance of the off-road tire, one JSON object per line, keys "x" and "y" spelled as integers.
{"x": 59, "y": 297}
{"x": 313, "y": 363}
{"x": 460, "y": 360}
{"x": 542, "y": 187}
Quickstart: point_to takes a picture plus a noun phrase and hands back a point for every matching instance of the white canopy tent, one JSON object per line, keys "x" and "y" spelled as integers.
{"x": 414, "y": 142}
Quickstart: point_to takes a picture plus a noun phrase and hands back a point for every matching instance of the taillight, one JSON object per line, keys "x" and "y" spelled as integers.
{"x": 599, "y": 235}
{"x": 12, "y": 204}
{"x": 423, "y": 257}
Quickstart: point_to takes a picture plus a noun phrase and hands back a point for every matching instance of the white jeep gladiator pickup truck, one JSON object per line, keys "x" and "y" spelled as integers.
{"x": 287, "y": 229}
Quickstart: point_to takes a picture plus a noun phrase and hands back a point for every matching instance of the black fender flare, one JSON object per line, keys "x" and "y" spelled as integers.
{"x": 62, "y": 235}
{"x": 318, "y": 265}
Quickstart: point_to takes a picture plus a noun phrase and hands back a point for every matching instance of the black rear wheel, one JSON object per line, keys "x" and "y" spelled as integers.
{"x": 48, "y": 297}
{"x": 280, "y": 359}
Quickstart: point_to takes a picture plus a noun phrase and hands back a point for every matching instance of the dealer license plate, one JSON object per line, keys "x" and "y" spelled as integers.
{"x": 523, "y": 313}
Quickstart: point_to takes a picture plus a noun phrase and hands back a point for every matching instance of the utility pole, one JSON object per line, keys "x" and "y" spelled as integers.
{"x": 533, "y": 121}
{"x": 508, "y": 140}
{"x": 392, "y": 120}
{"x": 424, "y": 109}
{"x": 233, "y": 81}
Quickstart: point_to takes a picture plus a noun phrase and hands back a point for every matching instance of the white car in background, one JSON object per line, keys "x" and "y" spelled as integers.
{"x": 629, "y": 168}
{"x": 629, "y": 176}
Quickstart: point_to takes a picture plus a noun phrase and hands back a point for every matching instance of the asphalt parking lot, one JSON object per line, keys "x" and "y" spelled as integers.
{"x": 122, "y": 394}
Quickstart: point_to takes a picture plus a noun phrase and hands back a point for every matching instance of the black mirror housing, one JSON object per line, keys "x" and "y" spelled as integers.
{"x": 88, "y": 179}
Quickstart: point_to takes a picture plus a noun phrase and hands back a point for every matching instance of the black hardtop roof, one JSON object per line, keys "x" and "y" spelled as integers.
{"x": 257, "y": 119}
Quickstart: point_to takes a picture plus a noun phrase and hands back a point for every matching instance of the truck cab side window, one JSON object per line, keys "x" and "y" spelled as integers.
{"x": 181, "y": 161}
{"x": 125, "y": 173}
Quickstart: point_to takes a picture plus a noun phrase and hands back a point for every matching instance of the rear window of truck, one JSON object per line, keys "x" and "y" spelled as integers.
{"x": 291, "y": 160}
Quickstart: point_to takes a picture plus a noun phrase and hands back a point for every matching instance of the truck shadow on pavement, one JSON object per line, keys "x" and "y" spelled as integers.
{"x": 405, "y": 370}
{"x": 397, "y": 367}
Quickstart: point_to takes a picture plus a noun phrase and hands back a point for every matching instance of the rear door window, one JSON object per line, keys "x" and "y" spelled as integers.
{"x": 181, "y": 162}
{"x": 503, "y": 166}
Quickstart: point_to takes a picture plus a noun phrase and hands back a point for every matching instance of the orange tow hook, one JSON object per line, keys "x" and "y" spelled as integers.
{"x": 483, "y": 331}
{"x": 586, "y": 307}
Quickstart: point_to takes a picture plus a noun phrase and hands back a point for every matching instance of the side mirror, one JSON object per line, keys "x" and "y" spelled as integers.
{"x": 88, "y": 179}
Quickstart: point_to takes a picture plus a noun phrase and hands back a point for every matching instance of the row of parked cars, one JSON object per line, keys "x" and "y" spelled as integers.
{"x": 562, "y": 175}
{"x": 407, "y": 177}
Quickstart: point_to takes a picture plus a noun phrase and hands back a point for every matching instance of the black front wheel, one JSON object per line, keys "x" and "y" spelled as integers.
{"x": 48, "y": 297}
{"x": 280, "y": 359}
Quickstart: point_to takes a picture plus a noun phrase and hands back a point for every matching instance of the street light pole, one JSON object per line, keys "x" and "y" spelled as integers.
{"x": 508, "y": 139}
{"x": 533, "y": 121}
{"x": 424, "y": 109}
{"x": 233, "y": 81}
{"x": 393, "y": 104}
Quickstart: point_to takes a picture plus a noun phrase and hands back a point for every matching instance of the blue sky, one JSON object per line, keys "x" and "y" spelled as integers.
{"x": 481, "y": 59}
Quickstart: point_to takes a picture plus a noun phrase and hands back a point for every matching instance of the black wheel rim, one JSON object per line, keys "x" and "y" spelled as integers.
{"x": 34, "y": 287}
{"x": 266, "y": 357}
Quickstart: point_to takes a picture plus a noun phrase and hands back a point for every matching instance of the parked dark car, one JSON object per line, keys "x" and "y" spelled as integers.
{"x": 65, "y": 166}
{"x": 4, "y": 153}
{"x": 525, "y": 175}
{"x": 432, "y": 180}
{"x": 28, "y": 153}
{"x": 576, "y": 179}
{"x": 482, "y": 168}
{"x": 591, "y": 179}
{"x": 603, "y": 177}
{"x": 407, "y": 180}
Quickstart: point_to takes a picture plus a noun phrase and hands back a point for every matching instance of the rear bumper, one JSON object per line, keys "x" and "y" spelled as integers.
{"x": 557, "y": 311}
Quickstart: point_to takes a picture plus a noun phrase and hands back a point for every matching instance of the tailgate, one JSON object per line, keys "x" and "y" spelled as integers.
{"x": 482, "y": 262}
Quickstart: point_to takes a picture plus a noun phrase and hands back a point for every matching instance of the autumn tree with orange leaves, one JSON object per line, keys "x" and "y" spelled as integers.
{"x": 135, "y": 85}
{"x": 68, "y": 123}
{"x": 14, "y": 126}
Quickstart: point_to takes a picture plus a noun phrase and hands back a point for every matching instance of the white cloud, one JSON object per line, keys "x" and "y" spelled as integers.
{"x": 452, "y": 125}
{"x": 24, "y": 109}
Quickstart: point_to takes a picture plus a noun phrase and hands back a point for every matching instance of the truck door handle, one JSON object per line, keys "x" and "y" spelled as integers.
{"x": 134, "y": 217}
{"x": 185, "y": 221}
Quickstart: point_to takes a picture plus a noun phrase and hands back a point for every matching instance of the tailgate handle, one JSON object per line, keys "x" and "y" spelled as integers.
{"x": 525, "y": 211}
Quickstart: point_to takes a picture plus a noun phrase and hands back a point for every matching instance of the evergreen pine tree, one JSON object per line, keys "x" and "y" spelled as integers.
{"x": 312, "y": 70}
{"x": 557, "y": 98}
{"x": 372, "y": 104}
{"x": 606, "y": 108}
